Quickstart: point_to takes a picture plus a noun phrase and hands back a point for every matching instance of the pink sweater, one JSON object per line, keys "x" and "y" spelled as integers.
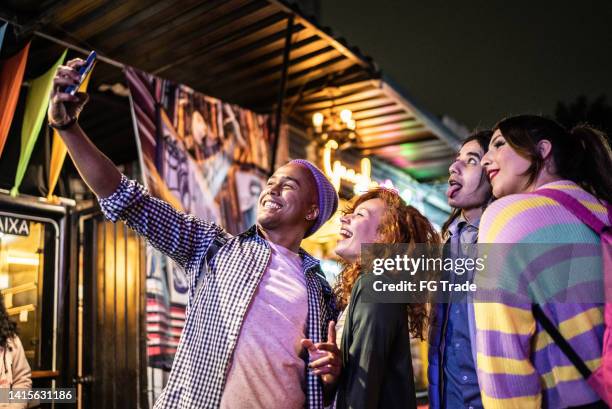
{"x": 519, "y": 366}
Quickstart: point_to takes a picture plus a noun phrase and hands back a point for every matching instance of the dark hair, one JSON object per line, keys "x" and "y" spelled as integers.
{"x": 8, "y": 328}
{"x": 400, "y": 223}
{"x": 582, "y": 155}
{"x": 483, "y": 138}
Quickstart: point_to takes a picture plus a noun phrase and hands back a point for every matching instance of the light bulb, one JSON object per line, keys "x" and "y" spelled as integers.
{"x": 317, "y": 119}
{"x": 351, "y": 124}
{"x": 346, "y": 115}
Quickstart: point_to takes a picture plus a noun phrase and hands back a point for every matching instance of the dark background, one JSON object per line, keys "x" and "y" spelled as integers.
{"x": 478, "y": 61}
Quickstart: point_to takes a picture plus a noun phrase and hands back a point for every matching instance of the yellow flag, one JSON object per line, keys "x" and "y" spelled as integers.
{"x": 59, "y": 150}
{"x": 34, "y": 115}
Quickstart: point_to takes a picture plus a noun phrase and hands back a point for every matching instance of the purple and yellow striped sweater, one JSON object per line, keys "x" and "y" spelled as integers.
{"x": 519, "y": 366}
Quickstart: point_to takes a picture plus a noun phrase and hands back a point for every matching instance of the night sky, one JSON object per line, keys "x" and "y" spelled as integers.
{"x": 478, "y": 61}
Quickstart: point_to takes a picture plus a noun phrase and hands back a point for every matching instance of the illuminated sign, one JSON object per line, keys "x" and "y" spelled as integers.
{"x": 14, "y": 225}
{"x": 361, "y": 180}
{"x": 337, "y": 172}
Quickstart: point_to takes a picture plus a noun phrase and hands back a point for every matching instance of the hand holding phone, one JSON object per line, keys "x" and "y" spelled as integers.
{"x": 83, "y": 71}
{"x": 66, "y": 102}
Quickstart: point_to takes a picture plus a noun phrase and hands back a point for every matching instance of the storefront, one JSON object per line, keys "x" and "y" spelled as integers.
{"x": 73, "y": 283}
{"x": 32, "y": 278}
{"x": 97, "y": 308}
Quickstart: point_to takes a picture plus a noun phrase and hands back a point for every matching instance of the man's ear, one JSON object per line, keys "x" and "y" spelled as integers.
{"x": 313, "y": 213}
{"x": 544, "y": 148}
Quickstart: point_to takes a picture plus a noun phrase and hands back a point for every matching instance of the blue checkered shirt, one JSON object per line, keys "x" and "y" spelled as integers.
{"x": 216, "y": 307}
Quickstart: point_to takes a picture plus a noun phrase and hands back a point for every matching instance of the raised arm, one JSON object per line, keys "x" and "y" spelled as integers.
{"x": 95, "y": 168}
{"x": 183, "y": 237}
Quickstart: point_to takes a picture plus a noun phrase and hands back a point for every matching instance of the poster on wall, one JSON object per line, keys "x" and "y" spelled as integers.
{"x": 205, "y": 157}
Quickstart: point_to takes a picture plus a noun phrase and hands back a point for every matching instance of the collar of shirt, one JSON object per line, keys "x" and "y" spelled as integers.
{"x": 461, "y": 223}
{"x": 462, "y": 234}
{"x": 308, "y": 261}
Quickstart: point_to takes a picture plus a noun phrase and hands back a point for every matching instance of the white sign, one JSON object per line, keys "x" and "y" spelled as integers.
{"x": 14, "y": 225}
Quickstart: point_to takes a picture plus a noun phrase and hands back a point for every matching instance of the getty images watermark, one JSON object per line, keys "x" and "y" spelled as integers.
{"x": 403, "y": 263}
{"x": 509, "y": 273}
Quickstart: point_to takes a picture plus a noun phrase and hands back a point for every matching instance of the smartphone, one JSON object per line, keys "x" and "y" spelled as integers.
{"x": 83, "y": 71}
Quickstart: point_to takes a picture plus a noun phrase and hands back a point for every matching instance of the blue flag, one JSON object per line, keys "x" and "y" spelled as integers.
{"x": 2, "y": 30}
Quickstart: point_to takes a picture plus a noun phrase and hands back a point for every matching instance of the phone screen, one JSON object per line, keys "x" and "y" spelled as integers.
{"x": 83, "y": 71}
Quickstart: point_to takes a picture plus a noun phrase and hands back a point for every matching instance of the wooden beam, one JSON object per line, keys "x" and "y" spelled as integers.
{"x": 45, "y": 374}
{"x": 260, "y": 90}
{"x": 207, "y": 36}
{"x": 342, "y": 101}
{"x": 436, "y": 126}
{"x": 334, "y": 43}
{"x": 395, "y": 137}
{"x": 396, "y": 126}
{"x": 261, "y": 101}
{"x": 270, "y": 39}
{"x": 79, "y": 49}
{"x": 153, "y": 15}
{"x": 303, "y": 63}
{"x": 259, "y": 50}
{"x": 322, "y": 93}
{"x": 384, "y": 120}
{"x": 174, "y": 29}
{"x": 387, "y": 108}
{"x": 281, "y": 93}
{"x": 101, "y": 18}
{"x": 267, "y": 66}
{"x": 73, "y": 10}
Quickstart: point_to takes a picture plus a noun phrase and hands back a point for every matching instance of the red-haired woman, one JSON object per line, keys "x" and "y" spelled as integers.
{"x": 375, "y": 337}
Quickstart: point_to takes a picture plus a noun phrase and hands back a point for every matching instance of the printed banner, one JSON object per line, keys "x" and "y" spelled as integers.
{"x": 191, "y": 144}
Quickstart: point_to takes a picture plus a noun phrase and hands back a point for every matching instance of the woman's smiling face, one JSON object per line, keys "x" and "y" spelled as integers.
{"x": 507, "y": 170}
{"x": 360, "y": 227}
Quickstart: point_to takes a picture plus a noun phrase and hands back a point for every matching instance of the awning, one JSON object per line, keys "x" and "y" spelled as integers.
{"x": 233, "y": 50}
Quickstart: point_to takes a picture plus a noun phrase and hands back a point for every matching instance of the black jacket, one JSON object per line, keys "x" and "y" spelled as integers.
{"x": 377, "y": 364}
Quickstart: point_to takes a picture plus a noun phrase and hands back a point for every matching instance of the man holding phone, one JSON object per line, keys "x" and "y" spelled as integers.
{"x": 251, "y": 300}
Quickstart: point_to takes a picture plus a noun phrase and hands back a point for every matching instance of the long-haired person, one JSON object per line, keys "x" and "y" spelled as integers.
{"x": 15, "y": 372}
{"x": 453, "y": 382}
{"x": 375, "y": 337}
{"x": 519, "y": 366}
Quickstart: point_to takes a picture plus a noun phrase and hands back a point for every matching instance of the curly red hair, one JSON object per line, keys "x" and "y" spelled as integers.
{"x": 400, "y": 223}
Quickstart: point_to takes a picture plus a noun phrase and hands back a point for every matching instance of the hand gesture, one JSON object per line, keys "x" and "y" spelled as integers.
{"x": 64, "y": 107}
{"x": 325, "y": 358}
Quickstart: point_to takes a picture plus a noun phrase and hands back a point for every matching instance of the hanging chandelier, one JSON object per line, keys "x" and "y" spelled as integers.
{"x": 340, "y": 127}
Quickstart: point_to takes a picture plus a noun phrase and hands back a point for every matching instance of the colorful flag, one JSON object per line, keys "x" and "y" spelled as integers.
{"x": 11, "y": 76}
{"x": 2, "y": 30}
{"x": 58, "y": 151}
{"x": 33, "y": 118}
